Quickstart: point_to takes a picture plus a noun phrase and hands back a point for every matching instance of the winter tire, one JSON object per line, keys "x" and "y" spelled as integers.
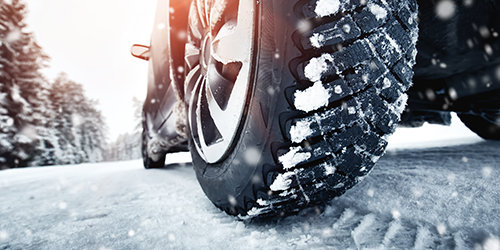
{"x": 290, "y": 102}
{"x": 486, "y": 125}
{"x": 146, "y": 160}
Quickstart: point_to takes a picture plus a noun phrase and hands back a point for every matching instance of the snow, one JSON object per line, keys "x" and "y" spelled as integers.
{"x": 4, "y": 235}
{"x": 470, "y": 43}
{"x": 435, "y": 188}
{"x": 484, "y": 31}
{"x": 293, "y": 157}
{"x": 338, "y": 90}
{"x": 13, "y": 36}
{"x": 433, "y": 135}
{"x": 351, "y": 110}
{"x": 329, "y": 169}
{"x": 327, "y": 7}
{"x": 317, "y": 66}
{"x": 317, "y": 40}
{"x": 441, "y": 228}
{"x": 394, "y": 44}
{"x": 346, "y": 28}
{"x": 63, "y": 205}
{"x": 9, "y": 122}
{"x": 492, "y": 243}
{"x": 399, "y": 106}
{"x": 282, "y": 182}
{"x": 488, "y": 49}
{"x": 445, "y": 9}
{"x": 252, "y": 156}
{"x": 379, "y": 12}
{"x": 301, "y": 130}
{"x": 312, "y": 98}
{"x": 387, "y": 83}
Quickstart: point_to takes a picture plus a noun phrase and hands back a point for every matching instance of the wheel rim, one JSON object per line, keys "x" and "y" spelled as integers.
{"x": 219, "y": 61}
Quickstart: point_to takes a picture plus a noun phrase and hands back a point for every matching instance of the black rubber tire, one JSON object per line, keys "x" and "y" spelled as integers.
{"x": 146, "y": 160}
{"x": 460, "y": 43}
{"x": 340, "y": 140}
{"x": 485, "y": 128}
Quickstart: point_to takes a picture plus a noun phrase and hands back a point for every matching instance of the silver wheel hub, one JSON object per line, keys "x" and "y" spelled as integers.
{"x": 221, "y": 80}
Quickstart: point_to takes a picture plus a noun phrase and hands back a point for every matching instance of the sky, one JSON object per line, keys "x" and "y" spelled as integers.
{"x": 90, "y": 40}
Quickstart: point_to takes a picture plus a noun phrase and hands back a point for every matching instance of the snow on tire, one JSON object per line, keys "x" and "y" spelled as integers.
{"x": 327, "y": 85}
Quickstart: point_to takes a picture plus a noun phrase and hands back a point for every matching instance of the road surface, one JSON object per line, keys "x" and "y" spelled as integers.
{"x": 445, "y": 197}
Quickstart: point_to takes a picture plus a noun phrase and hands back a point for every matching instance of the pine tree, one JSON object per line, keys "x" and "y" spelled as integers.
{"x": 22, "y": 96}
{"x": 79, "y": 124}
{"x": 128, "y": 146}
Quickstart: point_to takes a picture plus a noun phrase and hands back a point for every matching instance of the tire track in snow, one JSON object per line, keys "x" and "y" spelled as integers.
{"x": 444, "y": 198}
{"x": 394, "y": 227}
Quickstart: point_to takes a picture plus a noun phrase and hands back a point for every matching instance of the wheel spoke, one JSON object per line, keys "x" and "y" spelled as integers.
{"x": 220, "y": 87}
{"x": 211, "y": 132}
{"x": 219, "y": 75}
{"x": 190, "y": 82}
{"x": 207, "y": 16}
{"x": 192, "y": 56}
{"x": 195, "y": 26}
{"x": 224, "y": 121}
{"x": 200, "y": 5}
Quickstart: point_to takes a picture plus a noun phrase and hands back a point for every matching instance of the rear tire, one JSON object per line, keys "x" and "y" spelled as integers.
{"x": 486, "y": 126}
{"x": 146, "y": 160}
{"x": 327, "y": 85}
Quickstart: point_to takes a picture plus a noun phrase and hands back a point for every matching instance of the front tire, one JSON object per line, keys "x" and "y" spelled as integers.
{"x": 326, "y": 83}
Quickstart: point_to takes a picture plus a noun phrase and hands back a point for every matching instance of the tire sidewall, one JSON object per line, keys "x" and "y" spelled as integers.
{"x": 241, "y": 175}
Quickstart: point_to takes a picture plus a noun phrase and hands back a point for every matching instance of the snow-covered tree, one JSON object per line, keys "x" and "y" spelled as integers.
{"x": 128, "y": 146}
{"x": 40, "y": 123}
{"x": 22, "y": 97}
{"x": 79, "y": 124}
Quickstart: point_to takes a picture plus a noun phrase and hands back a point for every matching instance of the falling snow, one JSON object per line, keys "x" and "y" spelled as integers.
{"x": 252, "y": 156}
{"x": 441, "y": 228}
{"x": 63, "y": 205}
{"x": 445, "y": 9}
{"x": 3, "y": 235}
{"x": 396, "y": 207}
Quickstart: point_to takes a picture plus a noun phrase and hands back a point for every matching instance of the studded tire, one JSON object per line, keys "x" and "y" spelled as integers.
{"x": 486, "y": 125}
{"x": 146, "y": 160}
{"x": 326, "y": 87}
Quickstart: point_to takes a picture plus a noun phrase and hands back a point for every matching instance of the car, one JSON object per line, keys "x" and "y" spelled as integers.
{"x": 285, "y": 106}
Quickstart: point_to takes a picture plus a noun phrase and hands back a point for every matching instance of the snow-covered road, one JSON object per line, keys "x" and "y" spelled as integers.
{"x": 415, "y": 198}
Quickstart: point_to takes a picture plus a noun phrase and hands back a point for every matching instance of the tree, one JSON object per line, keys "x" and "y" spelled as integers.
{"x": 79, "y": 124}
{"x": 128, "y": 146}
{"x": 41, "y": 123}
{"x": 22, "y": 96}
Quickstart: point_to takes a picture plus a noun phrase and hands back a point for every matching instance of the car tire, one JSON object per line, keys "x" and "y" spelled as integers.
{"x": 487, "y": 126}
{"x": 146, "y": 160}
{"x": 325, "y": 85}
